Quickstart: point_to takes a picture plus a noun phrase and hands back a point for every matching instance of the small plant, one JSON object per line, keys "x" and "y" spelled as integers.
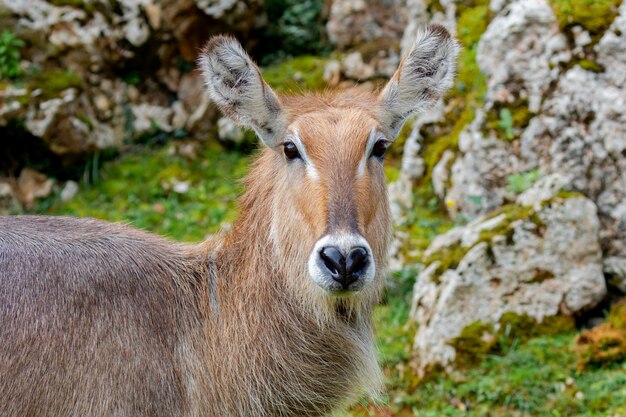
{"x": 506, "y": 123}
{"x": 10, "y": 55}
{"x": 518, "y": 183}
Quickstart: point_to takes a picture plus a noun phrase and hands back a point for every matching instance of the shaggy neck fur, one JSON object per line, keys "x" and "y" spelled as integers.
{"x": 280, "y": 358}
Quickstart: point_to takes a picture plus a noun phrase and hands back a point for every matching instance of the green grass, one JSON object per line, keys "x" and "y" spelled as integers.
{"x": 137, "y": 188}
{"x": 536, "y": 378}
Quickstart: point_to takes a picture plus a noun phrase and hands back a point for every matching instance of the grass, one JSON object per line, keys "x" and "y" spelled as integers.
{"x": 536, "y": 378}
{"x": 139, "y": 188}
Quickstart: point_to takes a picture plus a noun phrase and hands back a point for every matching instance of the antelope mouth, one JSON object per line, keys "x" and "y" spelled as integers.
{"x": 342, "y": 265}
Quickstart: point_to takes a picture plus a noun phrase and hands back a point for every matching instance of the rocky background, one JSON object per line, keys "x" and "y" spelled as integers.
{"x": 509, "y": 197}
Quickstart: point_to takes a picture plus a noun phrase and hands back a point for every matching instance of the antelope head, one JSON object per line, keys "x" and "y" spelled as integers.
{"x": 329, "y": 216}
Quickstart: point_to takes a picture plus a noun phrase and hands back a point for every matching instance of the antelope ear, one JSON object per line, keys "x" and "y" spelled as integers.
{"x": 424, "y": 75}
{"x": 235, "y": 84}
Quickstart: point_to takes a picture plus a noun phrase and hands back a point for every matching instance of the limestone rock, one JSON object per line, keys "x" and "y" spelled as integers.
{"x": 522, "y": 45}
{"x": 547, "y": 262}
{"x": 101, "y": 52}
{"x": 576, "y": 125}
{"x": 354, "y": 22}
{"x": 33, "y": 185}
{"x": 615, "y": 268}
{"x": 229, "y": 131}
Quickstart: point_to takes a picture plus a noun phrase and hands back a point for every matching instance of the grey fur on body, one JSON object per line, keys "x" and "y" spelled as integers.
{"x": 100, "y": 319}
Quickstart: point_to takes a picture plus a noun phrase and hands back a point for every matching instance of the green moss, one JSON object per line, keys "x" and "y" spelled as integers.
{"x": 511, "y": 213}
{"x": 304, "y": 73}
{"x": 475, "y": 341}
{"x": 472, "y": 24}
{"x": 52, "y": 83}
{"x": 478, "y": 339}
{"x": 593, "y": 15}
{"x": 564, "y": 194}
{"x": 86, "y": 120}
{"x": 590, "y": 65}
{"x": 434, "y": 6}
{"x": 426, "y": 219}
{"x": 448, "y": 257}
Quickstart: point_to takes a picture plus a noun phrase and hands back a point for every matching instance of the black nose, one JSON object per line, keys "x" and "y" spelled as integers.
{"x": 345, "y": 270}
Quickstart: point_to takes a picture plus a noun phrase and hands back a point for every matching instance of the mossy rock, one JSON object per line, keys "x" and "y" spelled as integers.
{"x": 508, "y": 120}
{"x": 594, "y": 16}
{"x": 52, "y": 83}
{"x": 469, "y": 90}
{"x": 479, "y": 339}
{"x": 475, "y": 341}
{"x": 449, "y": 257}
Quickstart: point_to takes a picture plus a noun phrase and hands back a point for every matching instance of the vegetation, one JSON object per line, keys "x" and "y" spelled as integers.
{"x": 594, "y": 16}
{"x": 184, "y": 195}
{"x": 525, "y": 370}
{"x": 10, "y": 55}
{"x": 52, "y": 83}
{"x": 294, "y": 28}
{"x": 304, "y": 73}
{"x": 518, "y": 183}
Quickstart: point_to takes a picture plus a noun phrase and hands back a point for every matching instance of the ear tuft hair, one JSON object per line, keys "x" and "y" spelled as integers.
{"x": 424, "y": 75}
{"x": 235, "y": 84}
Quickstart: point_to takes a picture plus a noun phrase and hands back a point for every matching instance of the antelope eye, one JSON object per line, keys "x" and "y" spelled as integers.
{"x": 291, "y": 151}
{"x": 380, "y": 147}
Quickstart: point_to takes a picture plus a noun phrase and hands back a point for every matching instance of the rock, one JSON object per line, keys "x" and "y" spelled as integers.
{"x": 522, "y": 44}
{"x": 33, "y": 185}
{"x": 574, "y": 118}
{"x": 180, "y": 187}
{"x": 611, "y": 49}
{"x": 615, "y": 268}
{"x": 148, "y": 117}
{"x": 354, "y": 67}
{"x": 543, "y": 190}
{"x": 8, "y": 198}
{"x": 539, "y": 263}
{"x": 354, "y": 22}
{"x": 69, "y": 191}
{"x": 332, "y": 73}
{"x": 92, "y": 71}
{"x": 228, "y": 131}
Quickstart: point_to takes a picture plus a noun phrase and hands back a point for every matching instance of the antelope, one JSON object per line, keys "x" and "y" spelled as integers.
{"x": 272, "y": 318}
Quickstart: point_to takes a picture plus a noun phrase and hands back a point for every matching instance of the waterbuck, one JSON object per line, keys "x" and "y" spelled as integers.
{"x": 269, "y": 319}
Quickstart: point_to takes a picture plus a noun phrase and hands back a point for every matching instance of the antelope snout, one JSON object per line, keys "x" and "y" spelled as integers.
{"x": 344, "y": 269}
{"x": 342, "y": 263}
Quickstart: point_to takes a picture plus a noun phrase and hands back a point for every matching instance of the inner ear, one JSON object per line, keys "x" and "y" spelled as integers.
{"x": 423, "y": 77}
{"x": 235, "y": 85}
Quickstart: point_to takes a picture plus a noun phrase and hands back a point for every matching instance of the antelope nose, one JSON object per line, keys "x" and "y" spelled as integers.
{"x": 344, "y": 269}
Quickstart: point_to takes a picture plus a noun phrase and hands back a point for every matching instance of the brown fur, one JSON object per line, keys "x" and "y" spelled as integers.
{"x": 103, "y": 319}
{"x": 100, "y": 319}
